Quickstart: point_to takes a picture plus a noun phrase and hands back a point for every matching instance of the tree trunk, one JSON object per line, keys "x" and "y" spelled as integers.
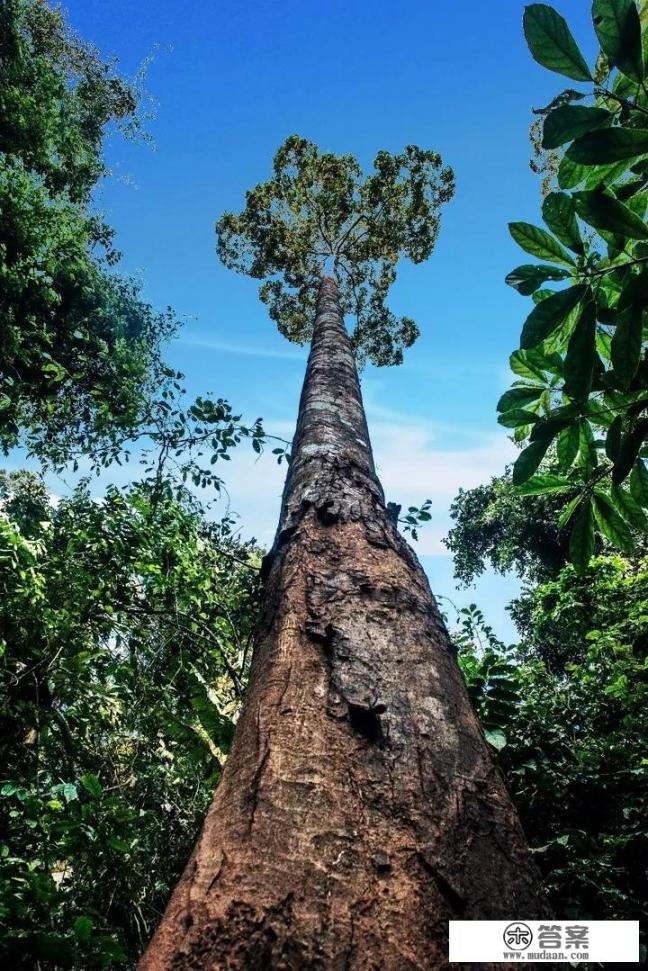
{"x": 360, "y": 808}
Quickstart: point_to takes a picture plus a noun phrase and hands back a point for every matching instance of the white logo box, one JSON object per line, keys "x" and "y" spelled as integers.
{"x": 553, "y": 941}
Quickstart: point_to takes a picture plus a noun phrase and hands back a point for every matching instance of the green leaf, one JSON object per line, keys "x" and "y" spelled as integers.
{"x": 116, "y": 843}
{"x": 629, "y": 450}
{"x": 571, "y": 121}
{"x": 518, "y": 397}
{"x": 83, "y": 928}
{"x": 602, "y": 211}
{"x": 613, "y": 439}
{"x": 639, "y": 483}
{"x": 69, "y": 791}
{"x": 581, "y": 352}
{"x": 568, "y": 511}
{"x": 581, "y": 540}
{"x": 617, "y": 27}
{"x": 527, "y": 278}
{"x": 611, "y": 524}
{"x": 588, "y": 457}
{"x": 539, "y": 243}
{"x": 91, "y": 784}
{"x": 549, "y": 314}
{"x": 571, "y": 174}
{"x": 551, "y": 43}
{"x": 608, "y": 145}
{"x": 626, "y": 345}
{"x": 516, "y": 418}
{"x": 528, "y": 460}
{"x": 559, "y": 213}
{"x": 538, "y": 485}
{"x": 567, "y": 445}
{"x": 628, "y": 507}
{"x": 496, "y": 738}
{"x": 529, "y": 365}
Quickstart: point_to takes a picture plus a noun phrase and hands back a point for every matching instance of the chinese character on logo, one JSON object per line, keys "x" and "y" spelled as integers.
{"x": 518, "y": 935}
{"x": 576, "y": 936}
{"x": 549, "y": 936}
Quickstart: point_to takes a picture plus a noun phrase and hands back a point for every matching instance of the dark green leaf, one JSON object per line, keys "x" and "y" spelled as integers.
{"x": 91, "y": 784}
{"x": 581, "y": 352}
{"x": 608, "y": 145}
{"x": 83, "y": 928}
{"x": 518, "y": 397}
{"x": 567, "y": 445}
{"x": 627, "y": 506}
{"x": 602, "y": 211}
{"x": 588, "y": 456}
{"x": 527, "y": 278}
{"x": 549, "y": 314}
{"x": 619, "y": 32}
{"x": 629, "y": 450}
{"x": 611, "y": 524}
{"x": 613, "y": 439}
{"x": 626, "y": 345}
{"x": 570, "y": 121}
{"x": 581, "y": 356}
{"x": 539, "y": 243}
{"x": 516, "y": 418}
{"x": 571, "y": 174}
{"x": 639, "y": 483}
{"x": 551, "y": 43}
{"x": 528, "y": 461}
{"x": 540, "y": 484}
{"x": 581, "y": 540}
{"x": 559, "y": 213}
{"x": 568, "y": 511}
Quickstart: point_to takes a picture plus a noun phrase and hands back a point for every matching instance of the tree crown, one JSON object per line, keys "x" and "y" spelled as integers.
{"x": 318, "y": 212}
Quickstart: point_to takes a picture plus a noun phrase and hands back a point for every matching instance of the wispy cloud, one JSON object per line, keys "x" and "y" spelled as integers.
{"x": 248, "y": 351}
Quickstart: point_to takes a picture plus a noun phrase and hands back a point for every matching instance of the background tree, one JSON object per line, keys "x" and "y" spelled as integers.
{"x": 79, "y": 348}
{"x": 124, "y": 639}
{"x": 582, "y": 366}
{"x": 566, "y": 710}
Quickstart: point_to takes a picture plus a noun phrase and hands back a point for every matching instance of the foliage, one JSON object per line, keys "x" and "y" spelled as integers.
{"x": 572, "y": 744}
{"x": 318, "y": 210}
{"x": 79, "y": 348}
{"x": 125, "y": 629}
{"x": 493, "y": 524}
{"x": 582, "y": 367}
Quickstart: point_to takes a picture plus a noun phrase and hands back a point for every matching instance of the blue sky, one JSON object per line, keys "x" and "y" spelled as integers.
{"x": 231, "y": 81}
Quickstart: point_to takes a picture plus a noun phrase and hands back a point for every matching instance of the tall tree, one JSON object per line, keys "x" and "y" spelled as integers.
{"x": 360, "y": 808}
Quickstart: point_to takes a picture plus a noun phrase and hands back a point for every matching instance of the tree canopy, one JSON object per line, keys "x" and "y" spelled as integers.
{"x": 318, "y": 212}
{"x": 79, "y": 347}
{"x": 582, "y": 366}
{"x": 124, "y": 636}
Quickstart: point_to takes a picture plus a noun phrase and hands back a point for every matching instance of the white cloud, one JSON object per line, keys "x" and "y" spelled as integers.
{"x": 246, "y": 350}
{"x": 410, "y": 467}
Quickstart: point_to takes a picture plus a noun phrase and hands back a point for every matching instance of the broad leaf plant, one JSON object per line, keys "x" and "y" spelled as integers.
{"x": 580, "y": 402}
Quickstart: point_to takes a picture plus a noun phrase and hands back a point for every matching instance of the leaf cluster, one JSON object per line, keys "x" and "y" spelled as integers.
{"x": 571, "y": 742}
{"x": 319, "y": 214}
{"x": 582, "y": 367}
{"x": 125, "y": 629}
{"x": 79, "y": 347}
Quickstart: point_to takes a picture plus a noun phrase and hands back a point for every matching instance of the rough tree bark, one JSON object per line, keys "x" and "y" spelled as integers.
{"x": 359, "y": 809}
